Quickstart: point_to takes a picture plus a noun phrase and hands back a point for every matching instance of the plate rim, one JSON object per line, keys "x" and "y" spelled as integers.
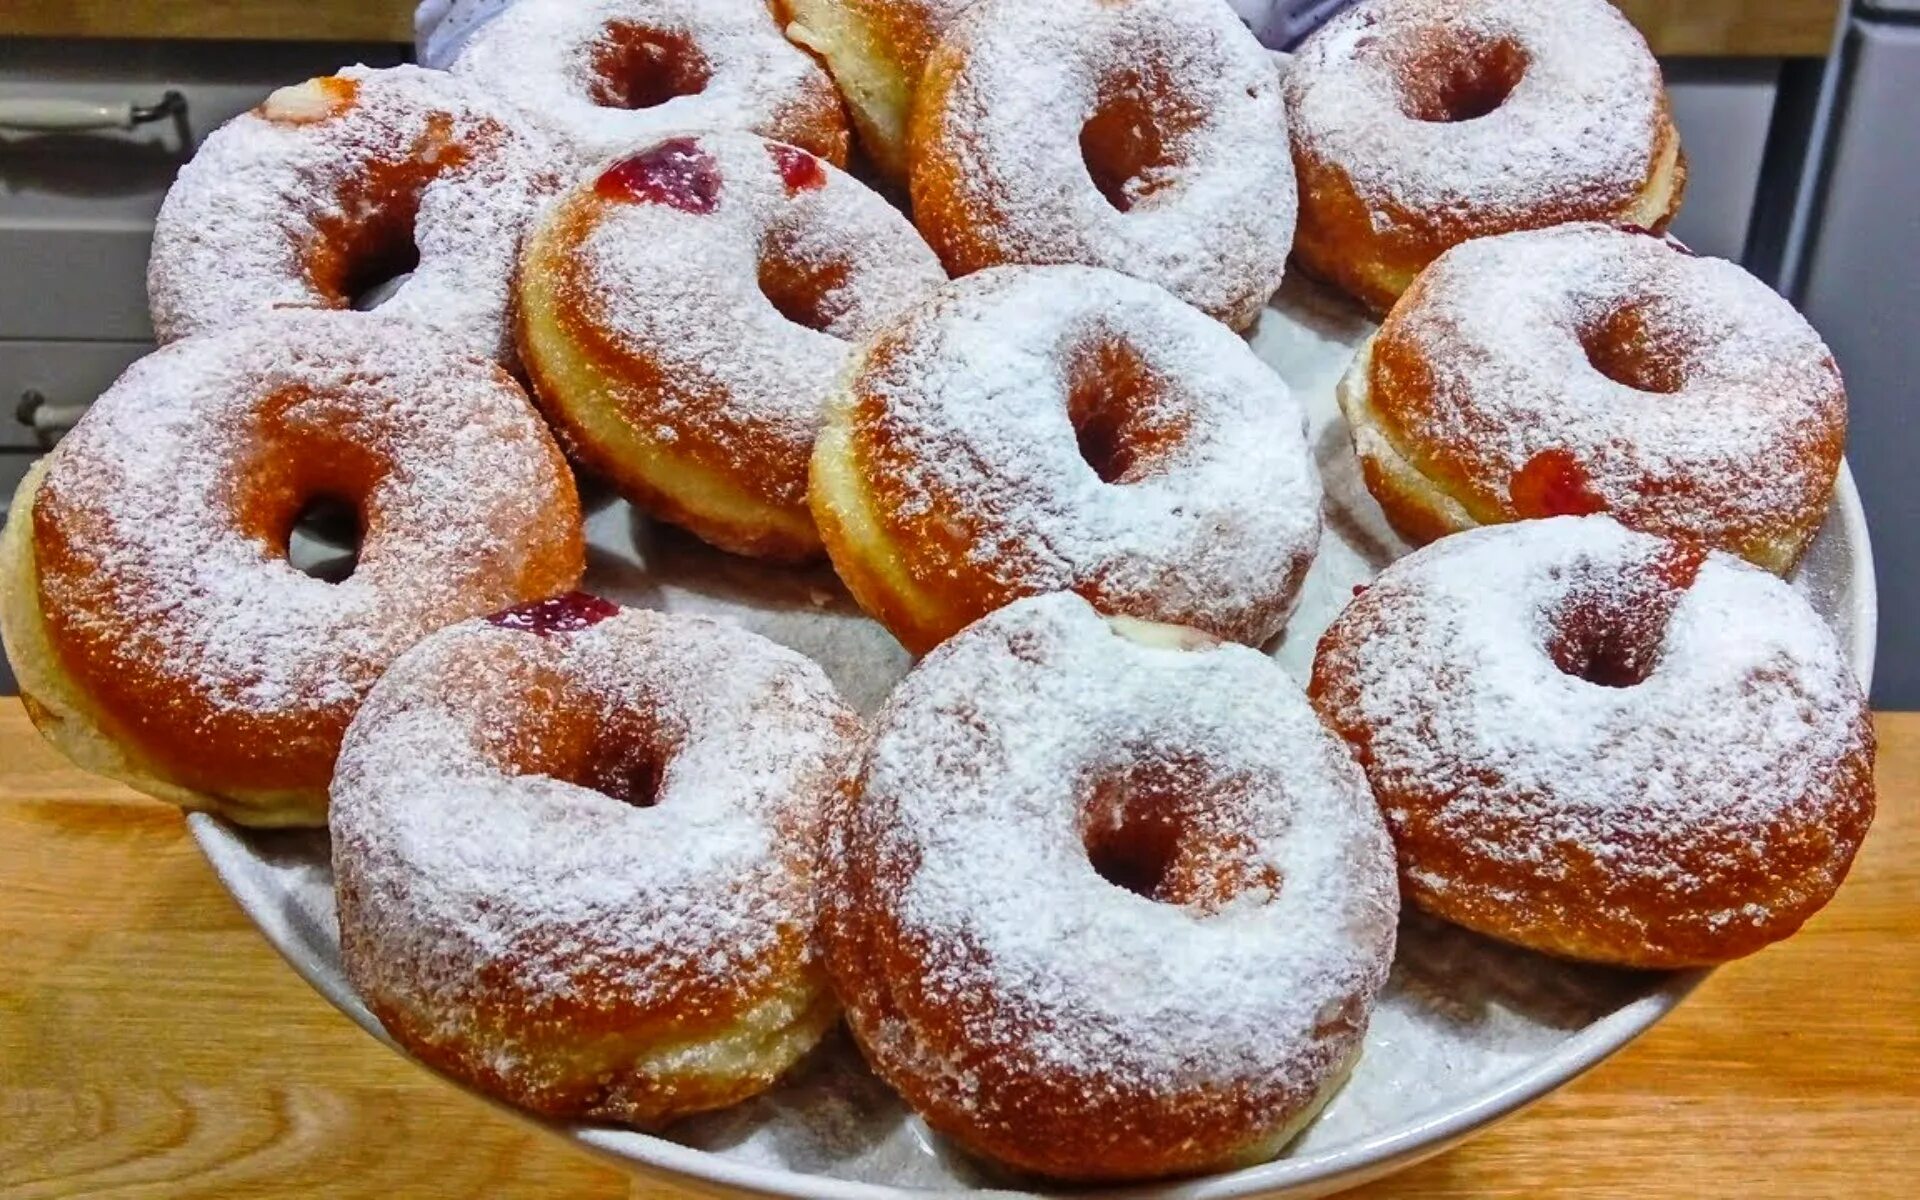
{"x": 1308, "y": 1175}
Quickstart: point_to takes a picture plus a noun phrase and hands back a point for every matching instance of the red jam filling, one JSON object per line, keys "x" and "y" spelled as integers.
{"x": 676, "y": 173}
{"x": 559, "y": 614}
{"x": 1554, "y": 484}
{"x": 800, "y": 171}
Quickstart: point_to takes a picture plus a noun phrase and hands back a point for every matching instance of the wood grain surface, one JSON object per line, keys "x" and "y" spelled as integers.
{"x": 1707, "y": 27}
{"x": 151, "y": 1045}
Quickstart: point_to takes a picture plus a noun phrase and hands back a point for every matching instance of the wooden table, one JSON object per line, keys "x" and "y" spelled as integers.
{"x": 1703, "y": 27}
{"x": 152, "y": 1046}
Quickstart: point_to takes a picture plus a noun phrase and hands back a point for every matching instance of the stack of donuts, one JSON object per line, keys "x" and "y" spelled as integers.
{"x": 950, "y": 293}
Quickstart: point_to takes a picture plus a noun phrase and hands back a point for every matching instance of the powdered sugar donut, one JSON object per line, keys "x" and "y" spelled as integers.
{"x": 1602, "y": 744}
{"x": 1585, "y": 369}
{"x": 605, "y": 76}
{"x": 1132, "y": 134}
{"x": 158, "y": 631}
{"x": 344, "y": 182}
{"x": 1419, "y": 124}
{"x": 877, "y": 51}
{"x": 573, "y": 850}
{"x": 1108, "y": 902}
{"x": 685, "y": 314}
{"x": 1038, "y": 429}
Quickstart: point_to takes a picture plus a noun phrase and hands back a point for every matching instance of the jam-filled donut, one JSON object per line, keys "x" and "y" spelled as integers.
{"x": 685, "y": 313}
{"x": 1138, "y": 135}
{"x": 1603, "y": 744}
{"x": 339, "y": 184}
{"x": 574, "y": 850}
{"x": 1039, "y": 429}
{"x": 1585, "y": 369}
{"x": 1419, "y": 124}
{"x": 160, "y": 634}
{"x": 1107, "y": 901}
{"x": 605, "y": 76}
{"x": 877, "y": 51}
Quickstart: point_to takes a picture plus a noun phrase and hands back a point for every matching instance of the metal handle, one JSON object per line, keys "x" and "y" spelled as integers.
{"x": 49, "y": 422}
{"x": 29, "y": 114}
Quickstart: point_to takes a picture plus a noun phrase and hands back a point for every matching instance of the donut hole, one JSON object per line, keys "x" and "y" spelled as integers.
{"x": 807, "y": 292}
{"x": 324, "y": 537}
{"x": 635, "y": 67}
{"x": 366, "y": 246}
{"x": 1452, "y": 81}
{"x": 633, "y": 775}
{"x": 1127, "y": 143}
{"x": 1118, "y": 427}
{"x": 1144, "y": 831}
{"x": 1628, "y": 348}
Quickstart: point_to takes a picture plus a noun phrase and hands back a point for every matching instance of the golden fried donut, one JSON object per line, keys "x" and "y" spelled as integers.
{"x": 1419, "y": 124}
{"x": 573, "y": 853}
{"x": 1585, "y": 369}
{"x": 342, "y": 183}
{"x": 158, "y": 631}
{"x": 685, "y": 313}
{"x": 605, "y": 76}
{"x": 877, "y": 51}
{"x": 1039, "y": 429}
{"x": 1107, "y": 901}
{"x": 1603, "y": 744}
{"x": 1138, "y": 135}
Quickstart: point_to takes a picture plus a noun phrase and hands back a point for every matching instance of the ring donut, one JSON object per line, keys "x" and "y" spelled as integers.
{"x": 1602, "y": 744}
{"x": 685, "y": 314}
{"x": 605, "y": 76}
{"x": 1137, "y": 135}
{"x": 574, "y": 848}
{"x": 1107, "y": 902}
{"x": 1039, "y": 429}
{"x": 1420, "y": 124}
{"x": 341, "y": 183}
{"x": 1585, "y": 369}
{"x": 159, "y": 633}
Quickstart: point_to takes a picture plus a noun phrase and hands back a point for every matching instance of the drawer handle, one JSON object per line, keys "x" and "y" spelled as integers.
{"x": 48, "y": 421}
{"x": 29, "y": 114}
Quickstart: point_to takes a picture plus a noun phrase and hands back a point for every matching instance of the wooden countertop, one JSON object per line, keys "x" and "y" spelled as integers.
{"x": 1697, "y": 27}
{"x": 152, "y": 1045}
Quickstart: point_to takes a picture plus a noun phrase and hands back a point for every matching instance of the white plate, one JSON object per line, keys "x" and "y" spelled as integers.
{"x": 1467, "y": 1031}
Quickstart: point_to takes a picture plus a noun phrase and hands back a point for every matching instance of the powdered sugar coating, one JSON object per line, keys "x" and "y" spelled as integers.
{"x": 551, "y": 57}
{"x": 958, "y": 420}
{"x": 1486, "y": 364}
{"x": 1687, "y": 818}
{"x": 513, "y": 922}
{"x": 671, "y": 308}
{"x": 156, "y": 529}
{"x": 1034, "y": 1010}
{"x": 275, "y": 197}
{"x": 1578, "y": 128}
{"x": 1000, "y": 176}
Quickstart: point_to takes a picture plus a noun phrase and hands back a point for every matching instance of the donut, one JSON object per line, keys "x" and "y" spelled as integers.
{"x": 573, "y": 854}
{"x": 1603, "y": 744}
{"x": 684, "y": 314}
{"x": 1040, "y": 429}
{"x": 336, "y": 185}
{"x": 605, "y": 76}
{"x": 1420, "y": 124}
{"x": 159, "y": 633}
{"x": 877, "y": 50}
{"x": 1138, "y": 135}
{"x": 1107, "y": 901}
{"x": 1583, "y": 369}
